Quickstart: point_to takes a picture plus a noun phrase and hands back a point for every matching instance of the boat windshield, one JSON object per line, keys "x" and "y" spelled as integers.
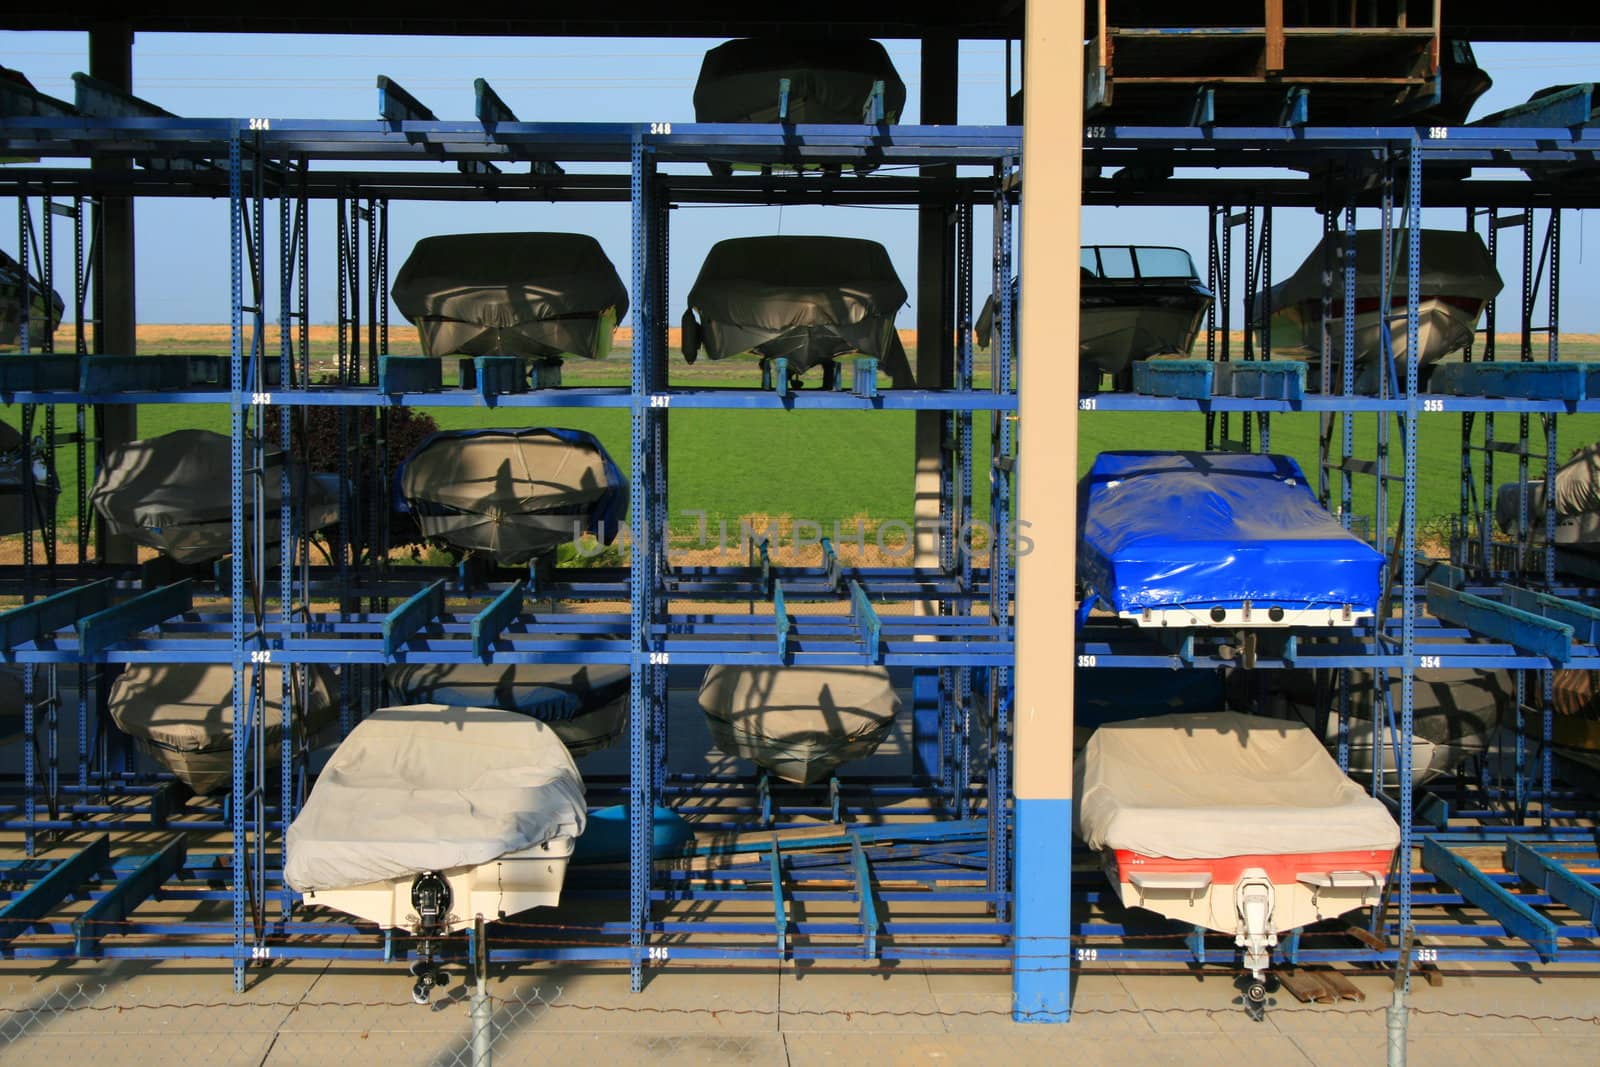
{"x": 1115, "y": 262}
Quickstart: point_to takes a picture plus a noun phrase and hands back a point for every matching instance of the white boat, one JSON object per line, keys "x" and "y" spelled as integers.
{"x": 800, "y": 723}
{"x": 1233, "y": 823}
{"x": 1457, "y": 278}
{"x": 430, "y": 816}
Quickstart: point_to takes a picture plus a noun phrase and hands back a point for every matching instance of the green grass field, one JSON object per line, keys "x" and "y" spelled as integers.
{"x": 828, "y": 466}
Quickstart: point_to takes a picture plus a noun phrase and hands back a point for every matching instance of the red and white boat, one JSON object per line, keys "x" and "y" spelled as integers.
{"x": 1232, "y": 823}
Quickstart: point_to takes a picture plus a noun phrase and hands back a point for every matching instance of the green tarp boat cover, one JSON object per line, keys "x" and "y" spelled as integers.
{"x": 805, "y": 299}
{"x": 829, "y": 81}
{"x": 539, "y": 295}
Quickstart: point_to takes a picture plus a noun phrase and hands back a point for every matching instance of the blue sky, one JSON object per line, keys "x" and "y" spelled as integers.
{"x": 182, "y": 266}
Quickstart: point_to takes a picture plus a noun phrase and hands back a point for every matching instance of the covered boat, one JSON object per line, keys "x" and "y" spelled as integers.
{"x": 1569, "y": 172}
{"x": 44, "y": 309}
{"x": 1219, "y": 539}
{"x": 22, "y": 508}
{"x": 586, "y": 705}
{"x": 427, "y": 816}
{"x": 1577, "y": 501}
{"x": 538, "y": 295}
{"x": 1135, "y": 302}
{"x": 173, "y": 493}
{"x": 181, "y": 715}
{"x": 513, "y": 494}
{"x": 1456, "y": 714}
{"x": 800, "y": 723}
{"x": 1458, "y": 277}
{"x": 829, "y": 81}
{"x": 1237, "y": 824}
{"x": 806, "y": 300}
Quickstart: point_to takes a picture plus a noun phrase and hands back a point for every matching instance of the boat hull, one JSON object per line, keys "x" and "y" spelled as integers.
{"x": 509, "y": 885}
{"x": 804, "y": 759}
{"x": 1445, "y": 324}
{"x": 1306, "y": 888}
{"x": 1115, "y": 335}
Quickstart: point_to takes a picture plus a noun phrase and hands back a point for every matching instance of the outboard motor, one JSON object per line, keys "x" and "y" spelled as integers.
{"x": 431, "y": 897}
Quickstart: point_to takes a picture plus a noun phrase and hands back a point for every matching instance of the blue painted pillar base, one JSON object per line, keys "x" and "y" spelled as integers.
{"x": 926, "y": 748}
{"x": 1041, "y": 963}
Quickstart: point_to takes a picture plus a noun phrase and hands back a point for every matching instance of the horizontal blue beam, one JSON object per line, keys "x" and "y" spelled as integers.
{"x": 1555, "y": 879}
{"x": 1518, "y": 919}
{"x": 1569, "y": 107}
{"x": 868, "y": 907}
{"x": 107, "y": 627}
{"x": 867, "y": 624}
{"x": 405, "y": 621}
{"x": 1283, "y": 380}
{"x": 407, "y": 374}
{"x": 31, "y": 622}
{"x": 64, "y": 879}
{"x": 491, "y": 622}
{"x": 1584, "y": 620}
{"x": 119, "y": 903}
{"x": 1188, "y": 379}
{"x": 1532, "y": 381}
{"x": 1524, "y": 630}
{"x": 780, "y": 618}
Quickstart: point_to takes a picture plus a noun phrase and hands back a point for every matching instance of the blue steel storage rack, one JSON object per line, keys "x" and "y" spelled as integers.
{"x": 960, "y": 860}
{"x": 266, "y": 160}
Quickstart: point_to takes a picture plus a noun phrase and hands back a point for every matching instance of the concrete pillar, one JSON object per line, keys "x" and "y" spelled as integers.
{"x": 934, "y": 367}
{"x": 1047, "y": 458}
{"x": 111, "y": 60}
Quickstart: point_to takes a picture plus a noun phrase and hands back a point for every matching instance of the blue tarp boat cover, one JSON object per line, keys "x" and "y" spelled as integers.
{"x": 1194, "y": 531}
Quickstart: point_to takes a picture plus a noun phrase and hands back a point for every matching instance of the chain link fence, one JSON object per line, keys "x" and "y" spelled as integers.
{"x": 350, "y": 1016}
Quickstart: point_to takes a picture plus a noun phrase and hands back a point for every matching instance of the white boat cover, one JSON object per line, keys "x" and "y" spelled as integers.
{"x": 799, "y": 722}
{"x": 172, "y": 493}
{"x": 182, "y": 715}
{"x": 829, "y": 81}
{"x": 806, "y": 299}
{"x": 513, "y": 494}
{"x": 541, "y": 295}
{"x": 428, "y": 787}
{"x": 585, "y": 704}
{"x": 1222, "y": 784}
